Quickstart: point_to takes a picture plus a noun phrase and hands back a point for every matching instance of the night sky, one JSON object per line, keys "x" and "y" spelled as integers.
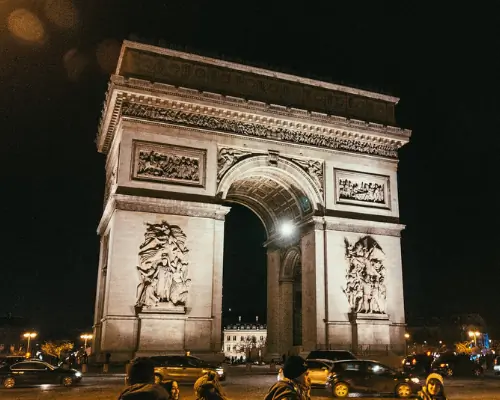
{"x": 443, "y": 64}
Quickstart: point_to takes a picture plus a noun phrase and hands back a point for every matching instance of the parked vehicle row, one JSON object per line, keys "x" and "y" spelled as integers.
{"x": 445, "y": 364}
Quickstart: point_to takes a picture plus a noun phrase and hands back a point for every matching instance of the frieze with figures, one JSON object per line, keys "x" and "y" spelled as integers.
{"x": 169, "y": 164}
{"x": 365, "y": 288}
{"x": 153, "y": 113}
{"x": 361, "y": 189}
{"x": 163, "y": 269}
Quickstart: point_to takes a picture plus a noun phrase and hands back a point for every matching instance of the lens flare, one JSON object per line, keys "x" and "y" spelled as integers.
{"x": 25, "y": 25}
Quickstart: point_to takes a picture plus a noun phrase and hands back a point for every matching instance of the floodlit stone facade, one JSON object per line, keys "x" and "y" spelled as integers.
{"x": 185, "y": 136}
{"x": 242, "y": 341}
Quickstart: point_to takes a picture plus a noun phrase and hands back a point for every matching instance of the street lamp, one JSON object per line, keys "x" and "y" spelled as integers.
{"x": 474, "y": 335}
{"x": 85, "y": 337}
{"x": 407, "y": 336}
{"x": 29, "y": 336}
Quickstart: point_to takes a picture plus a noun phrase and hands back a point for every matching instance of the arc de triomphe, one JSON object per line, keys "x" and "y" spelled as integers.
{"x": 185, "y": 136}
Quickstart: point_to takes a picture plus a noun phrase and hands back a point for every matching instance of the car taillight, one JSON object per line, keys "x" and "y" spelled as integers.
{"x": 414, "y": 361}
{"x": 496, "y": 361}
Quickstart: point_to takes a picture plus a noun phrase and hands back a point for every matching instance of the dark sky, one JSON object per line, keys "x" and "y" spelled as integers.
{"x": 443, "y": 64}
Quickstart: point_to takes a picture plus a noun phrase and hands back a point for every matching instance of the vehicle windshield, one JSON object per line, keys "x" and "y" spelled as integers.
{"x": 195, "y": 361}
{"x": 49, "y": 366}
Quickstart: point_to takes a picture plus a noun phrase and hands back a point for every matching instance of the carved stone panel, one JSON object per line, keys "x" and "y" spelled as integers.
{"x": 163, "y": 270}
{"x": 365, "y": 289}
{"x": 313, "y": 168}
{"x": 169, "y": 164}
{"x": 361, "y": 189}
{"x": 228, "y": 157}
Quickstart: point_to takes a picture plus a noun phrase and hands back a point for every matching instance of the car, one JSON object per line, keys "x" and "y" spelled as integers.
{"x": 496, "y": 365}
{"x": 183, "y": 368}
{"x": 332, "y": 355}
{"x": 318, "y": 371}
{"x": 452, "y": 364}
{"x": 37, "y": 373}
{"x": 418, "y": 364}
{"x": 9, "y": 360}
{"x": 367, "y": 376}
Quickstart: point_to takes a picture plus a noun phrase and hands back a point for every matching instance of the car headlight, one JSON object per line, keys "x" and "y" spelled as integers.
{"x": 443, "y": 365}
{"x": 415, "y": 380}
{"x": 220, "y": 371}
{"x": 78, "y": 374}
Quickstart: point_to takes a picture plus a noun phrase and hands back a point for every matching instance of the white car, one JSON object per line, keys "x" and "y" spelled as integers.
{"x": 496, "y": 365}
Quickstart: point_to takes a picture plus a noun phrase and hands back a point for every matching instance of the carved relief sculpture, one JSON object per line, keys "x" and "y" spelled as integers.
{"x": 314, "y": 169}
{"x": 227, "y": 158}
{"x": 253, "y": 129}
{"x": 365, "y": 279}
{"x": 169, "y": 164}
{"x": 163, "y": 267}
{"x": 360, "y": 189}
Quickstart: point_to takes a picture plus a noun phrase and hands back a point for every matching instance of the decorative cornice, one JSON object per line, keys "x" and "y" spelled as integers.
{"x": 383, "y": 148}
{"x": 138, "y": 90}
{"x": 160, "y": 206}
{"x": 346, "y": 225}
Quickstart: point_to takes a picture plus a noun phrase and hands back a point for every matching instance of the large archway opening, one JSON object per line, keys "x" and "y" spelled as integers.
{"x": 282, "y": 198}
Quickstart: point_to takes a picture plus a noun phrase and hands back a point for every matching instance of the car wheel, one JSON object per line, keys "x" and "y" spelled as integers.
{"x": 478, "y": 373}
{"x": 158, "y": 379}
{"x": 341, "y": 389}
{"x": 67, "y": 381}
{"x": 450, "y": 372}
{"x": 403, "y": 391}
{"x": 9, "y": 383}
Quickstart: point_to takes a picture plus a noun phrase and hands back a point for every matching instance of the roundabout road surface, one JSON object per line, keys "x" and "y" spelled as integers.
{"x": 239, "y": 386}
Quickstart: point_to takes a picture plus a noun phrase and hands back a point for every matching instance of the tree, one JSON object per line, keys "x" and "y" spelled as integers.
{"x": 55, "y": 349}
{"x": 463, "y": 348}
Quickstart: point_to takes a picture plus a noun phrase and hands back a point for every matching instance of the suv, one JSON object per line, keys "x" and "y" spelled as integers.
{"x": 332, "y": 355}
{"x": 183, "y": 368}
{"x": 418, "y": 364}
{"x": 451, "y": 364}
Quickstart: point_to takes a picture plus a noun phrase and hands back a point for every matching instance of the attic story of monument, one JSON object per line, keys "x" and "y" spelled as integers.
{"x": 185, "y": 137}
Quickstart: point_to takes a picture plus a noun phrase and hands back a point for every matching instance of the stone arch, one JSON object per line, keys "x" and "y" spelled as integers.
{"x": 275, "y": 190}
{"x": 290, "y": 260}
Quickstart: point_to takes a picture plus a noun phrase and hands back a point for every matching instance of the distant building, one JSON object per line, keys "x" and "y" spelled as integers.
{"x": 244, "y": 340}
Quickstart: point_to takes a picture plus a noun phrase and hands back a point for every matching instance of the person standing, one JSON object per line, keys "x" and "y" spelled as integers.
{"x": 295, "y": 383}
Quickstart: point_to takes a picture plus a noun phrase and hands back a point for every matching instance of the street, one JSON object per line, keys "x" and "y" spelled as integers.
{"x": 244, "y": 386}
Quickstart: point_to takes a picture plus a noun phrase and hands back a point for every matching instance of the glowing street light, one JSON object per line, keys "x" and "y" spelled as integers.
{"x": 407, "y": 336}
{"x": 29, "y": 336}
{"x": 85, "y": 337}
{"x": 474, "y": 335}
{"x": 287, "y": 228}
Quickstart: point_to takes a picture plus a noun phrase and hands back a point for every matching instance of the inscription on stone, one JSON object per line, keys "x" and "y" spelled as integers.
{"x": 163, "y": 269}
{"x": 365, "y": 279}
{"x": 205, "y": 76}
{"x": 169, "y": 164}
{"x": 360, "y": 189}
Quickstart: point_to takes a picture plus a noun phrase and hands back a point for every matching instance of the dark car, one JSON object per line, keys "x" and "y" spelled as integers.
{"x": 37, "y": 373}
{"x": 183, "y": 368}
{"x": 418, "y": 364}
{"x": 366, "y": 376}
{"x": 451, "y": 364}
{"x": 9, "y": 360}
{"x": 332, "y": 355}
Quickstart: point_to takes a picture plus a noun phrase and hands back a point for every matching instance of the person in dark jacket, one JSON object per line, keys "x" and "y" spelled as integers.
{"x": 433, "y": 389}
{"x": 141, "y": 379}
{"x": 294, "y": 385}
{"x": 208, "y": 387}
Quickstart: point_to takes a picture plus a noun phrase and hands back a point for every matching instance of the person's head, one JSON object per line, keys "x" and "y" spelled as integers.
{"x": 295, "y": 368}
{"x": 142, "y": 370}
{"x": 434, "y": 384}
{"x": 172, "y": 388}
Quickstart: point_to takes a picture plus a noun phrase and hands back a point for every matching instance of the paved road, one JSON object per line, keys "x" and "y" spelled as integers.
{"x": 238, "y": 387}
